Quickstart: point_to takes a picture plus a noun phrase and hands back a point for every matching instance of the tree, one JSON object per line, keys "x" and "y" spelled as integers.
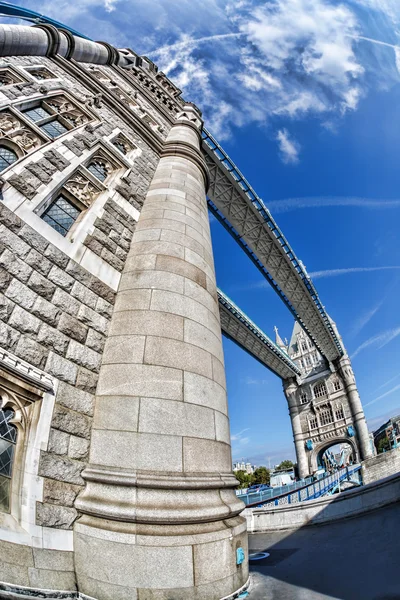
{"x": 285, "y": 464}
{"x": 244, "y": 479}
{"x": 261, "y": 475}
{"x": 383, "y": 444}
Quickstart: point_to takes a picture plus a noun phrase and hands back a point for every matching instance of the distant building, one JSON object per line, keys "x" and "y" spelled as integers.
{"x": 390, "y": 429}
{"x": 242, "y": 466}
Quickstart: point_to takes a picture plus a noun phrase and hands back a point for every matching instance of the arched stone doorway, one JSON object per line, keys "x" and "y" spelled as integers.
{"x": 317, "y": 458}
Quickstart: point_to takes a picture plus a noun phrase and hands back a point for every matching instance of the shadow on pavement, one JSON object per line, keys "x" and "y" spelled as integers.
{"x": 352, "y": 559}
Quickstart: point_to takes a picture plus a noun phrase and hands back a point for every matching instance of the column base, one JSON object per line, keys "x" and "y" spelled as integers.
{"x": 160, "y": 562}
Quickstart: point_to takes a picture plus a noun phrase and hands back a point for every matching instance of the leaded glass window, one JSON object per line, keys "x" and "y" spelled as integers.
{"x": 313, "y": 423}
{"x": 61, "y": 215}
{"x": 7, "y": 157}
{"x": 8, "y": 440}
{"x": 36, "y": 114}
{"x": 98, "y": 169}
{"x": 54, "y": 128}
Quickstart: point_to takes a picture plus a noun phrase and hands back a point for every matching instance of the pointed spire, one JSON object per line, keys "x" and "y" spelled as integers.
{"x": 278, "y": 340}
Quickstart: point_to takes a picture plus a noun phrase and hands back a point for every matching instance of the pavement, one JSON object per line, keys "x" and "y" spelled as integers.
{"x": 353, "y": 559}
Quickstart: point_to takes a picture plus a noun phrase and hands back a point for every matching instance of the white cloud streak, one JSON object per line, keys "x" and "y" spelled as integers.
{"x": 238, "y": 439}
{"x": 289, "y": 148}
{"x": 290, "y": 204}
{"x": 378, "y": 341}
{"x": 391, "y": 391}
{"x": 389, "y": 381}
{"x": 365, "y": 318}
{"x": 336, "y": 272}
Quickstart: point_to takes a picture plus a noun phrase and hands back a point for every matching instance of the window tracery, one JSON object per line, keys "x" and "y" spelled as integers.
{"x": 123, "y": 144}
{"x": 41, "y": 73}
{"x": 9, "y": 77}
{"x": 16, "y": 136}
{"x": 56, "y": 115}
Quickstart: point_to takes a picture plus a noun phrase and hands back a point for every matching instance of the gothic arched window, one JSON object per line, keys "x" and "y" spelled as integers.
{"x": 336, "y": 385}
{"x": 320, "y": 390}
{"x": 99, "y": 169}
{"x": 7, "y": 157}
{"x": 303, "y": 399}
{"x": 8, "y": 440}
{"x": 120, "y": 145}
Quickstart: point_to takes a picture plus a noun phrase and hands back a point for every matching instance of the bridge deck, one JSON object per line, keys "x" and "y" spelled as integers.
{"x": 237, "y": 206}
{"x": 238, "y": 327}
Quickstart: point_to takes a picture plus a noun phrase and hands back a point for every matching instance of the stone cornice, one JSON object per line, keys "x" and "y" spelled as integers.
{"x": 125, "y": 74}
{"x": 23, "y": 370}
{"x": 97, "y": 87}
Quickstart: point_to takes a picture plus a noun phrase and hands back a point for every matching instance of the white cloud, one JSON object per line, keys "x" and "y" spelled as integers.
{"x": 288, "y": 147}
{"x": 238, "y": 439}
{"x": 336, "y": 272}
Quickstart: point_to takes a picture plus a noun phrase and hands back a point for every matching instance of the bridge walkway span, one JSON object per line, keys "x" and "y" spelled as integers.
{"x": 241, "y": 211}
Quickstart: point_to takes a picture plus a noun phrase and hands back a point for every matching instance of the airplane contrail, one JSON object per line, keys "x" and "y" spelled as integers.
{"x": 192, "y": 43}
{"x": 373, "y": 41}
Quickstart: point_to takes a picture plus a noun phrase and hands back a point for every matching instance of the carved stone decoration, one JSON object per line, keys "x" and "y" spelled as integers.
{"x": 68, "y": 110}
{"x": 26, "y": 140}
{"x": 8, "y": 77}
{"x": 82, "y": 189}
{"x": 41, "y": 73}
{"x": 8, "y": 123}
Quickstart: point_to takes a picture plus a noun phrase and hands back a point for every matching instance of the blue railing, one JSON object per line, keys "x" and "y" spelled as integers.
{"x": 299, "y": 491}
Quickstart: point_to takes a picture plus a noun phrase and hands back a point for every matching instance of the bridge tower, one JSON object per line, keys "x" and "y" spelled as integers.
{"x": 324, "y": 403}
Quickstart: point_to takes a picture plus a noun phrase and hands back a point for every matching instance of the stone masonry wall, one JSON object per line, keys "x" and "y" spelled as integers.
{"x": 382, "y": 465}
{"x": 55, "y": 315}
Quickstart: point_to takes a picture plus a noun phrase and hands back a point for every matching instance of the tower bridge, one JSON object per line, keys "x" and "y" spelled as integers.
{"x": 122, "y": 461}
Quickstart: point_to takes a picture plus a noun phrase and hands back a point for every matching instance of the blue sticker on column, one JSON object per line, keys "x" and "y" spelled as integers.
{"x": 239, "y": 556}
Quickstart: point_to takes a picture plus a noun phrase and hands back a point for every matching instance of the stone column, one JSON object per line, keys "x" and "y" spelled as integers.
{"x": 356, "y": 408}
{"x": 290, "y": 388}
{"x": 160, "y": 515}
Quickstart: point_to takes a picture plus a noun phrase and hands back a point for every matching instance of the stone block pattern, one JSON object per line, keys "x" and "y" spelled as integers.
{"x": 36, "y": 567}
{"x": 382, "y": 465}
{"x": 55, "y": 315}
{"x": 112, "y": 234}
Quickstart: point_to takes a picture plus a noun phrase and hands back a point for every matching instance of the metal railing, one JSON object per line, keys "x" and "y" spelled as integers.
{"x": 299, "y": 491}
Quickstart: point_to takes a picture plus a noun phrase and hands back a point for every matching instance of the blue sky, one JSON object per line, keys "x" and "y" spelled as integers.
{"x": 305, "y": 97}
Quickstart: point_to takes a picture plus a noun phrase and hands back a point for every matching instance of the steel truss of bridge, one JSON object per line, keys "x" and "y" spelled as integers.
{"x": 236, "y": 205}
{"x": 237, "y": 326}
